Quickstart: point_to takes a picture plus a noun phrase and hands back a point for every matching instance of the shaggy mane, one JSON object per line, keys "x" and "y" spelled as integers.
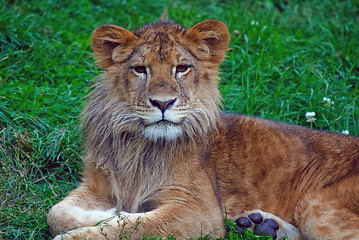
{"x": 115, "y": 144}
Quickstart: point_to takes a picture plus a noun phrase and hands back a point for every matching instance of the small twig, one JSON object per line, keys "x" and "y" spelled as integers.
{"x": 3, "y": 59}
{"x": 341, "y": 115}
{"x": 52, "y": 189}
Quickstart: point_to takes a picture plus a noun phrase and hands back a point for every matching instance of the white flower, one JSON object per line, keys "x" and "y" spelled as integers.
{"x": 328, "y": 102}
{"x": 236, "y": 32}
{"x": 310, "y": 116}
{"x": 345, "y": 132}
{"x": 325, "y": 99}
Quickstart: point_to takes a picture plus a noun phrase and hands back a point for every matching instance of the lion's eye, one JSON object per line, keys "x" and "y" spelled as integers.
{"x": 140, "y": 70}
{"x": 182, "y": 68}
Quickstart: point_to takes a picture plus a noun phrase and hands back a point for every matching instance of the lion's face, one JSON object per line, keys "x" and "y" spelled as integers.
{"x": 163, "y": 76}
{"x": 161, "y": 87}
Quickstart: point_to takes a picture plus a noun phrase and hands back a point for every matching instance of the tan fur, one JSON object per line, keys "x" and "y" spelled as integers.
{"x": 184, "y": 175}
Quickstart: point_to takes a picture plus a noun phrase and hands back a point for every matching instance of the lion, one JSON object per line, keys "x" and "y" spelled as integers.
{"x": 163, "y": 160}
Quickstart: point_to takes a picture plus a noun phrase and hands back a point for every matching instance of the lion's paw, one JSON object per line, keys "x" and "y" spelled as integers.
{"x": 106, "y": 230}
{"x": 80, "y": 233}
{"x": 263, "y": 223}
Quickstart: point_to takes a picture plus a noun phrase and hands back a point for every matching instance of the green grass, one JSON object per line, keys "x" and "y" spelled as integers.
{"x": 285, "y": 57}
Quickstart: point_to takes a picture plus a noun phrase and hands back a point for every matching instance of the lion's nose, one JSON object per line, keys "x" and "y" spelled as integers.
{"x": 162, "y": 105}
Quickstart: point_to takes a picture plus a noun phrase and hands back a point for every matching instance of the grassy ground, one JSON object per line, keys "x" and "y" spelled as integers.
{"x": 285, "y": 58}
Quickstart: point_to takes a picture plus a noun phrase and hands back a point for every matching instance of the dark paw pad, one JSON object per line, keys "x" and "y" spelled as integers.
{"x": 243, "y": 222}
{"x": 256, "y": 218}
{"x": 271, "y": 223}
{"x": 255, "y": 221}
{"x": 263, "y": 229}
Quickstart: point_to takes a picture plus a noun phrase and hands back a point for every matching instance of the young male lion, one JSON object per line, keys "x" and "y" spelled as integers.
{"x": 163, "y": 160}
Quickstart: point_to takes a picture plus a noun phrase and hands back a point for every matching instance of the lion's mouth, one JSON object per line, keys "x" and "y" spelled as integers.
{"x": 165, "y": 123}
{"x": 163, "y": 129}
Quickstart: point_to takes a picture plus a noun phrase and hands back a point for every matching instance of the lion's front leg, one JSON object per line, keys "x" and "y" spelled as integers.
{"x": 103, "y": 229}
{"x": 102, "y": 232}
{"x": 81, "y": 208}
{"x": 121, "y": 226}
{"x": 182, "y": 213}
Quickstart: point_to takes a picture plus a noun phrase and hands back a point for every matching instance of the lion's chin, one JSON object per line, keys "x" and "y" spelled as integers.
{"x": 163, "y": 130}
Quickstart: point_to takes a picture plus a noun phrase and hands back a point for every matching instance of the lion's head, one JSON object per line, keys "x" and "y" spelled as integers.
{"x": 160, "y": 81}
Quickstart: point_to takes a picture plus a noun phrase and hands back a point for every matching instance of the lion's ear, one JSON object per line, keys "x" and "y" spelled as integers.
{"x": 111, "y": 43}
{"x": 210, "y": 38}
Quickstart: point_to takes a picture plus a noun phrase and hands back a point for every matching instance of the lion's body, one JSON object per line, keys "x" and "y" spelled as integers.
{"x": 159, "y": 150}
{"x": 278, "y": 168}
